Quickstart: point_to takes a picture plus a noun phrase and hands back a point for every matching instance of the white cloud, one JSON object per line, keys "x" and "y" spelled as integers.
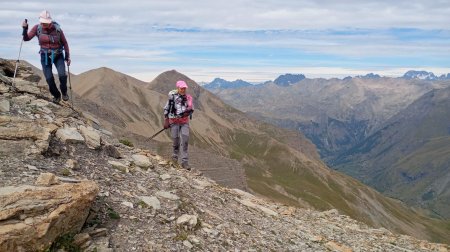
{"x": 208, "y": 38}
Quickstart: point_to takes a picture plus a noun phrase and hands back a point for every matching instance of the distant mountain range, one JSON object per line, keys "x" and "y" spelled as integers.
{"x": 218, "y": 83}
{"x": 424, "y": 75}
{"x": 369, "y": 76}
{"x": 291, "y": 79}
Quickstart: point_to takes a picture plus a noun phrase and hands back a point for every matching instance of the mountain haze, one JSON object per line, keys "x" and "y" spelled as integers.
{"x": 239, "y": 151}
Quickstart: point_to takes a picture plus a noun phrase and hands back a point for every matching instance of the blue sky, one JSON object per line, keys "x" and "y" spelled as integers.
{"x": 245, "y": 39}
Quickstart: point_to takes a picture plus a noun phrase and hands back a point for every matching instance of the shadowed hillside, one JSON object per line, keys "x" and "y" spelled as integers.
{"x": 409, "y": 157}
{"x": 334, "y": 114}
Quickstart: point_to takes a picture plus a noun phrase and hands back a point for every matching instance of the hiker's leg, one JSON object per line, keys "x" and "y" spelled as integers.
{"x": 47, "y": 70}
{"x": 175, "y": 133}
{"x": 184, "y": 143}
{"x": 61, "y": 68}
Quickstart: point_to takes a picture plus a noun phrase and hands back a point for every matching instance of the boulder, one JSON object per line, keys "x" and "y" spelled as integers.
{"x": 21, "y": 100}
{"x": 14, "y": 128}
{"x": 141, "y": 161}
{"x": 151, "y": 201}
{"x": 119, "y": 166}
{"x": 39, "y": 103}
{"x": 265, "y": 210}
{"x": 4, "y": 105}
{"x": 112, "y": 152}
{"x": 167, "y": 195}
{"x": 69, "y": 135}
{"x": 3, "y": 88}
{"x": 23, "y": 136}
{"x": 47, "y": 179}
{"x": 190, "y": 221}
{"x": 31, "y": 217}
{"x": 91, "y": 137}
{"x": 27, "y": 87}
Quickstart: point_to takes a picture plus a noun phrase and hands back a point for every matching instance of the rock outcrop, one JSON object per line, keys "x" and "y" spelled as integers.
{"x": 32, "y": 217}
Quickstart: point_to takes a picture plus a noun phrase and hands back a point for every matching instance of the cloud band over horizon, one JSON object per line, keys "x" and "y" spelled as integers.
{"x": 242, "y": 39}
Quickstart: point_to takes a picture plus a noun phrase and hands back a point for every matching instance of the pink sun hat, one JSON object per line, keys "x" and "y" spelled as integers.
{"x": 45, "y": 17}
{"x": 181, "y": 84}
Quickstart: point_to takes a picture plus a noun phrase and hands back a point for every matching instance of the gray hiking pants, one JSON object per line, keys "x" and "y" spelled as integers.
{"x": 180, "y": 132}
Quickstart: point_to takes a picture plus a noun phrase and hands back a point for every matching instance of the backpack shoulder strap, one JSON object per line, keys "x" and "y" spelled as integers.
{"x": 57, "y": 26}
{"x": 172, "y": 109}
{"x": 39, "y": 30}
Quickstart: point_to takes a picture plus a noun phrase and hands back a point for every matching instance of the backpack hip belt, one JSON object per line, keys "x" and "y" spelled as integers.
{"x": 53, "y": 53}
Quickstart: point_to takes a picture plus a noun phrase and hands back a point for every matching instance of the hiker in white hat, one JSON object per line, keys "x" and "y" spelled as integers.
{"x": 54, "y": 49}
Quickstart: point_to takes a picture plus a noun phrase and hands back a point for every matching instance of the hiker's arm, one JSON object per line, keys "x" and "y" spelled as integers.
{"x": 27, "y": 36}
{"x": 166, "y": 110}
{"x": 66, "y": 46}
{"x": 190, "y": 104}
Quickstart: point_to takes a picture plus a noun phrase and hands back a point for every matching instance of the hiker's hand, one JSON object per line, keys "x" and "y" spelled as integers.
{"x": 68, "y": 62}
{"x": 166, "y": 123}
{"x": 25, "y": 24}
{"x": 187, "y": 113}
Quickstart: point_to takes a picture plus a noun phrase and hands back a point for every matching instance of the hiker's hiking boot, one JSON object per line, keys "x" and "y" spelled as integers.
{"x": 186, "y": 166}
{"x": 65, "y": 97}
{"x": 56, "y": 100}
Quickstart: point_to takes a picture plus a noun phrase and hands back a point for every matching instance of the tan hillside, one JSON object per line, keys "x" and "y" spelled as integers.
{"x": 276, "y": 163}
{"x": 128, "y": 109}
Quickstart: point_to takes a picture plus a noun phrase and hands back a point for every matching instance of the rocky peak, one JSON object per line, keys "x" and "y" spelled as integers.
{"x": 422, "y": 75}
{"x": 146, "y": 203}
{"x": 288, "y": 79}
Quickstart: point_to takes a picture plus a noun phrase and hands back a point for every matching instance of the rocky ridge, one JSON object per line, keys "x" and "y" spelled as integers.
{"x": 146, "y": 203}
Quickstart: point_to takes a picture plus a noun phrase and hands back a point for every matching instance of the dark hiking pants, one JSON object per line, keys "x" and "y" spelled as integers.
{"x": 61, "y": 68}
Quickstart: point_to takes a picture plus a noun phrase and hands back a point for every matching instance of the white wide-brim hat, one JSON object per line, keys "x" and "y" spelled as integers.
{"x": 45, "y": 17}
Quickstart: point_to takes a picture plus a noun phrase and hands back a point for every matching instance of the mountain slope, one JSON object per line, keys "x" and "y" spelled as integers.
{"x": 409, "y": 158}
{"x": 147, "y": 206}
{"x": 279, "y": 164}
{"x": 334, "y": 114}
{"x": 131, "y": 111}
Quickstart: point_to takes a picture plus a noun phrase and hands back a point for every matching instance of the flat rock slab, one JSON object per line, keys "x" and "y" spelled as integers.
{"x": 69, "y": 135}
{"x": 27, "y": 87}
{"x": 32, "y": 217}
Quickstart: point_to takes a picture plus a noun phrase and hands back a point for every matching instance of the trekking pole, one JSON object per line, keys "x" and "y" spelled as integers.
{"x": 70, "y": 85}
{"x": 157, "y": 133}
{"x": 17, "y": 62}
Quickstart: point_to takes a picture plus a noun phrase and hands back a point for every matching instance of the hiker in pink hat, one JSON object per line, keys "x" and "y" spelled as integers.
{"x": 177, "y": 111}
{"x": 53, "y": 45}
